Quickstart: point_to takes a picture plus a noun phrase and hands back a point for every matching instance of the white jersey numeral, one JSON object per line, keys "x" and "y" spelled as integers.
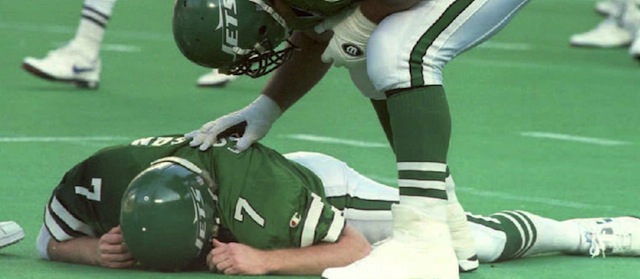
{"x": 94, "y": 193}
{"x": 243, "y": 205}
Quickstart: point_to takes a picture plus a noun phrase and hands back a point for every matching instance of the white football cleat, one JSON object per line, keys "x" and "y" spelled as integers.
{"x": 420, "y": 247}
{"x": 608, "y": 34}
{"x": 461, "y": 237}
{"x": 66, "y": 64}
{"x": 630, "y": 19}
{"x": 215, "y": 79}
{"x": 619, "y": 236}
{"x": 634, "y": 50}
{"x": 10, "y": 233}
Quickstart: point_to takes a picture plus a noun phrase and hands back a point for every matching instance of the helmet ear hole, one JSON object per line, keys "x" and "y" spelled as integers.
{"x": 262, "y": 30}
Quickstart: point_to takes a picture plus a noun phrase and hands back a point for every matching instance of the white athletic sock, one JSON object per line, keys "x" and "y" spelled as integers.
{"x": 553, "y": 236}
{"x": 94, "y": 18}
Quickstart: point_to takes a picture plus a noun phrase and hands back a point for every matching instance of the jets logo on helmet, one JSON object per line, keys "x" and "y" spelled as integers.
{"x": 230, "y": 26}
{"x": 200, "y": 217}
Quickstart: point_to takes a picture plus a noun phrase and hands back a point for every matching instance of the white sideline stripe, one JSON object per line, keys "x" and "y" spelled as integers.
{"x": 107, "y": 47}
{"x": 120, "y": 48}
{"x": 60, "y": 139}
{"x": 323, "y": 139}
{"x": 511, "y": 197}
{"x": 565, "y": 137}
{"x": 541, "y": 65}
{"x": 53, "y": 28}
{"x": 506, "y": 46}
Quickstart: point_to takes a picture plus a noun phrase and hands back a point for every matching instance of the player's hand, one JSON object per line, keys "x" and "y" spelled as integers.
{"x": 113, "y": 252}
{"x": 236, "y": 258}
{"x": 351, "y": 31}
{"x": 259, "y": 116}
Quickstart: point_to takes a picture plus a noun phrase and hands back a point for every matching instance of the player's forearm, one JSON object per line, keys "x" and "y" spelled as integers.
{"x": 377, "y": 10}
{"x": 298, "y": 75}
{"x": 81, "y": 250}
{"x": 314, "y": 259}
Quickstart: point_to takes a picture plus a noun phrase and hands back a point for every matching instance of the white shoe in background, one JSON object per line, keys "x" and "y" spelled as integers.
{"x": 10, "y": 233}
{"x": 608, "y": 34}
{"x": 634, "y": 50}
{"x": 66, "y": 64}
{"x": 215, "y": 79}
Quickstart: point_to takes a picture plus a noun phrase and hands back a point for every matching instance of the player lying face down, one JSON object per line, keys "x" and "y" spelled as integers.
{"x": 159, "y": 202}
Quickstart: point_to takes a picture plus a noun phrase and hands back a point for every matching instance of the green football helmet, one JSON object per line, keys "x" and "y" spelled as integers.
{"x": 168, "y": 214}
{"x": 235, "y": 36}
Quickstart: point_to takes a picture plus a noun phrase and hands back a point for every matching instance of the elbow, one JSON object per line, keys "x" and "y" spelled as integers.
{"x": 359, "y": 248}
{"x": 363, "y": 251}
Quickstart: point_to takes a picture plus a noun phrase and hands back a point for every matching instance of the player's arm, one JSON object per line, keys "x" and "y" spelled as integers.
{"x": 107, "y": 251}
{"x": 353, "y": 27}
{"x": 289, "y": 83}
{"x": 236, "y": 258}
{"x": 298, "y": 75}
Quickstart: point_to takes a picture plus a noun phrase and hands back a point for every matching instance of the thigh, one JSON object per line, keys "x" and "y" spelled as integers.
{"x": 366, "y": 204}
{"x": 411, "y": 48}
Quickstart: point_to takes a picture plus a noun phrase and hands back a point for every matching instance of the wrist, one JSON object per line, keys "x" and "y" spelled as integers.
{"x": 271, "y": 261}
{"x": 268, "y": 108}
{"x": 362, "y": 23}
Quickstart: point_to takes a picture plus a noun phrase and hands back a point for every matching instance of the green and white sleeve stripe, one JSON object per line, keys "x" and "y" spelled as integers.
{"x": 62, "y": 224}
{"x": 313, "y": 219}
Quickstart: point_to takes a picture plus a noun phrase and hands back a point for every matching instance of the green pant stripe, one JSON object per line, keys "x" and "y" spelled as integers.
{"x": 427, "y": 193}
{"x": 534, "y": 232}
{"x": 519, "y": 239}
{"x": 346, "y": 201}
{"x": 427, "y": 39}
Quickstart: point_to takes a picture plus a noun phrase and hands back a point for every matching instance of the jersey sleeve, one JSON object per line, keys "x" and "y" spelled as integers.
{"x": 321, "y": 223}
{"x": 67, "y": 213}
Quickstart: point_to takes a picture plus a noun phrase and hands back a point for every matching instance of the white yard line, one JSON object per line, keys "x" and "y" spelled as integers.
{"x": 573, "y": 138}
{"x": 331, "y": 140}
{"x": 506, "y": 46}
{"x": 120, "y": 48}
{"x": 514, "y": 197}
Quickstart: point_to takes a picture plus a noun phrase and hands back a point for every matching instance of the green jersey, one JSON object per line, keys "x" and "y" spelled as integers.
{"x": 264, "y": 200}
{"x": 309, "y": 13}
